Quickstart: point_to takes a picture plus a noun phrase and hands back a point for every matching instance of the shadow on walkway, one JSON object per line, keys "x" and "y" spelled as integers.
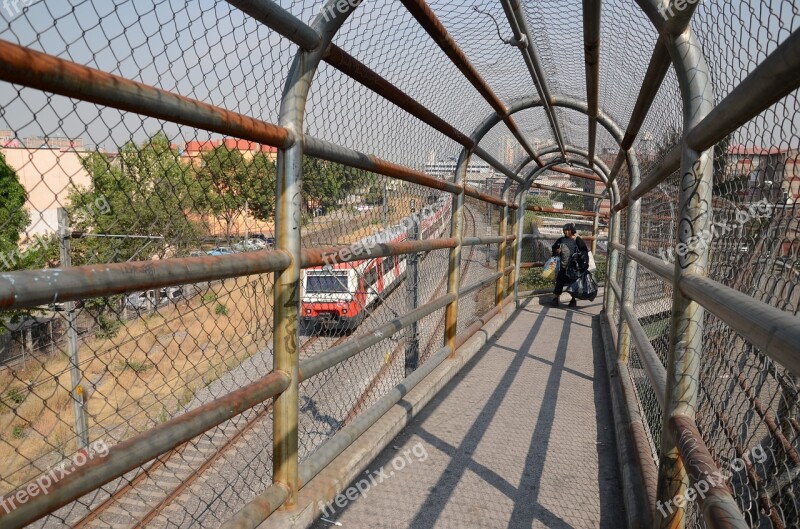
{"x": 522, "y": 437}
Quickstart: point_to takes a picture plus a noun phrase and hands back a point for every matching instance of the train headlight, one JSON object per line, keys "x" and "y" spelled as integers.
{"x": 308, "y": 311}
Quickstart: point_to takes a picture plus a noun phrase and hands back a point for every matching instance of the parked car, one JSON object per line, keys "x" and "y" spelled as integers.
{"x": 269, "y": 241}
{"x": 221, "y": 250}
{"x": 148, "y": 300}
{"x": 249, "y": 245}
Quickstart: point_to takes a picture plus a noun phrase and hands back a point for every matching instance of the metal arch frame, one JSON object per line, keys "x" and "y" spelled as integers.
{"x": 521, "y": 197}
{"x": 616, "y": 132}
{"x": 454, "y": 266}
{"x": 683, "y": 451}
{"x": 286, "y": 297}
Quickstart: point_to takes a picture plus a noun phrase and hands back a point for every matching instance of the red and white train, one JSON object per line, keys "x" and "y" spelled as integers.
{"x": 339, "y": 295}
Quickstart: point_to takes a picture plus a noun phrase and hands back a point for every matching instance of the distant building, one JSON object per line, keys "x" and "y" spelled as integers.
{"x": 194, "y": 150}
{"x": 756, "y": 173}
{"x": 477, "y": 170}
{"x": 49, "y": 168}
{"x": 53, "y": 142}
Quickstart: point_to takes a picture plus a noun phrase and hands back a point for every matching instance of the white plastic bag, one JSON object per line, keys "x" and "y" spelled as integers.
{"x": 592, "y": 265}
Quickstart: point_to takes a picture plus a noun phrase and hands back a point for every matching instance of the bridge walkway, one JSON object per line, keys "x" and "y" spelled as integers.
{"x": 522, "y": 437}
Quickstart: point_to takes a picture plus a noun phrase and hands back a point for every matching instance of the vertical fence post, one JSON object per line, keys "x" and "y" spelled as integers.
{"x": 454, "y": 265}
{"x": 501, "y": 249}
{"x": 412, "y": 349}
{"x": 686, "y": 325}
{"x": 75, "y": 374}
{"x": 286, "y": 295}
{"x": 522, "y": 193}
{"x": 287, "y": 289}
{"x": 613, "y": 260}
{"x": 630, "y": 270}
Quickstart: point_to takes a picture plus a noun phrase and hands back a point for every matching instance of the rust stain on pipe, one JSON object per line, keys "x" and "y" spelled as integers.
{"x": 39, "y": 70}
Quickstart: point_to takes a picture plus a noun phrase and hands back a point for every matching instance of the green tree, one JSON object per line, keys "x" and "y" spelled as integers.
{"x": 232, "y": 184}
{"x": 145, "y": 191}
{"x": 325, "y": 184}
{"x": 14, "y": 218}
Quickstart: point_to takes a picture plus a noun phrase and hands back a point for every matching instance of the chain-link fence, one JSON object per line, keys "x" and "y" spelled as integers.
{"x": 183, "y": 216}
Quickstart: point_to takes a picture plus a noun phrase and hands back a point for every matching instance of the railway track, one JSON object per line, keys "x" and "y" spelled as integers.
{"x": 144, "y": 498}
{"x": 425, "y": 351}
{"x": 148, "y": 494}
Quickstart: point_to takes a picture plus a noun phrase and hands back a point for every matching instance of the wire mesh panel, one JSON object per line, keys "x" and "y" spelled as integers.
{"x": 84, "y": 184}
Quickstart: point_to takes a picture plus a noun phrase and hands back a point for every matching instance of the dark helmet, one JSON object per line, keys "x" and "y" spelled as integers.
{"x": 570, "y": 227}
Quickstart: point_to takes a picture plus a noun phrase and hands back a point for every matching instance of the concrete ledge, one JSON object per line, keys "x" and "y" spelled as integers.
{"x": 354, "y": 460}
{"x": 639, "y": 476}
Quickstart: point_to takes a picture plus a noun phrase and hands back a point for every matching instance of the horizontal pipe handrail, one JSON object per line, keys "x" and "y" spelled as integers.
{"x": 312, "y": 257}
{"x": 277, "y": 18}
{"x": 578, "y": 174}
{"x": 772, "y": 330}
{"x": 39, "y": 70}
{"x": 31, "y": 288}
{"x": 345, "y": 437}
{"x": 656, "y": 372}
{"x": 532, "y": 237}
{"x": 332, "y": 152}
{"x": 335, "y": 355}
{"x": 540, "y": 209}
{"x": 463, "y": 291}
{"x": 769, "y": 82}
{"x": 486, "y": 197}
{"x": 258, "y": 509}
{"x": 565, "y": 190}
{"x": 134, "y": 452}
{"x": 719, "y": 508}
{"x": 475, "y": 241}
{"x": 776, "y": 76}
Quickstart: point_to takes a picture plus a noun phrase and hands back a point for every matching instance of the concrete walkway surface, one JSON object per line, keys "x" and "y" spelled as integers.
{"x": 522, "y": 437}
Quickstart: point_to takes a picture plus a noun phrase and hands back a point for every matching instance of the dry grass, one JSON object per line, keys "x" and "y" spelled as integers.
{"x": 148, "y": 372}
{"x": 399, "y": 207}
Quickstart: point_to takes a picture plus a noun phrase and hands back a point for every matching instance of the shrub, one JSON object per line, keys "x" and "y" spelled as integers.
{"x": 137, "y": 366}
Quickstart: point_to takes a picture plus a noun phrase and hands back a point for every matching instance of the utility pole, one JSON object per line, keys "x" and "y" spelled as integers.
{"x": 385, "y": 205}
{"x": 412, "y": 350}
{"x": 76, "y": 377}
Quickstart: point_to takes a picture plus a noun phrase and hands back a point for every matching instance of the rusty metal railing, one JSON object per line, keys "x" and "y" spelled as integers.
{"x": 671, "y": 322}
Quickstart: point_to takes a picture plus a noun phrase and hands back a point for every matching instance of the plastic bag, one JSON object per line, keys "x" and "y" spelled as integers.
{"x": 585, "y": 287}
{"x": 592, "y": 265}
{"x": 551, "y": 268}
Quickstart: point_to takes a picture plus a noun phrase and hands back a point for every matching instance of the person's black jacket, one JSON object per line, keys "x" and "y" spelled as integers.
{"x": 578, "y": 261}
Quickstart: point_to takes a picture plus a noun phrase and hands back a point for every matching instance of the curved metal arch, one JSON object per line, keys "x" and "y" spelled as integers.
{"x": 572, "y": 103}
{"x": 286, "y": 292}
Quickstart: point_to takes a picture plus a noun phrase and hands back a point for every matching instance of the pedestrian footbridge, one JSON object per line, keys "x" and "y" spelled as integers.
{"x": 278, "y": 264}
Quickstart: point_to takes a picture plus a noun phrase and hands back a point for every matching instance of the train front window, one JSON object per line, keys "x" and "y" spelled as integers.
{"x": 326, "y": 283}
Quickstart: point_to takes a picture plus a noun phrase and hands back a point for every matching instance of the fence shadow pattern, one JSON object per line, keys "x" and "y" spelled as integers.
{"x": 232, "y": 234}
